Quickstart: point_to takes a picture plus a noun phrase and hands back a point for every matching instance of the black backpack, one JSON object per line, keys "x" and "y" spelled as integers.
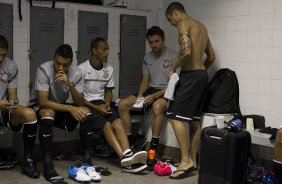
{"x": 223, "y": 93}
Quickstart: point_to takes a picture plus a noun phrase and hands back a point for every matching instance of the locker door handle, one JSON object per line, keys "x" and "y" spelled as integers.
{"x": 30, "y": 52}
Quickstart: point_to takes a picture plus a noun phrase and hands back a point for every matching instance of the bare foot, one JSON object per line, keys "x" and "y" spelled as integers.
{"x": 194, "y": 165}
{"x": 182, "y": 167}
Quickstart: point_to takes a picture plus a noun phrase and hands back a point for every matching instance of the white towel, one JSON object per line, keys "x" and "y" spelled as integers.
{"x": 169, "y": 93}
{"x": 139, "y": 103}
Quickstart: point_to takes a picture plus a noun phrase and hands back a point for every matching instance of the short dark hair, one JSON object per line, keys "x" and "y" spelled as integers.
{"x": 174, "y": 6}
{"x": 3, "y": 42}
{"x": 155, "y": 30}
{"x": 64, "y": 51}
{"x": 95, "y": 42}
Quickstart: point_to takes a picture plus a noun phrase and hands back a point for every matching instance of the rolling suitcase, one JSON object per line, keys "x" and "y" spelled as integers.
{"x": 223, "y": 156}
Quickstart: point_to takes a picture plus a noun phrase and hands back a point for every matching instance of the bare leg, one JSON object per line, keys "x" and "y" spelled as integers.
{"x": 277, "y": 157}
{"x": 120, "y": 134}
{"x": 159, "y": 107}
{"x": 181, "y": 135}
{"x": 111, "y": 139}
{"x": 278, "y": 146}
{"x": 22, "y": 115}
{"x": 195, "y": 133}
{"x": 124, "y": 107}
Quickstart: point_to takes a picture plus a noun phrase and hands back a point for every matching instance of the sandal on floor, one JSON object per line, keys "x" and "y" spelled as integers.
{"x": 54, "y": 178}
{"x": 185, "y": 173}
{"x": 103, "y": 171}
{"x": 57, "y": 180}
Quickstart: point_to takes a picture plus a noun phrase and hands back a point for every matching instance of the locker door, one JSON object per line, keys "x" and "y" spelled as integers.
{"x": 132, "y": 45}
{"x": 46, "y": 34}
{"x": 90, "y": 26}
{"x": 6, "y": 25}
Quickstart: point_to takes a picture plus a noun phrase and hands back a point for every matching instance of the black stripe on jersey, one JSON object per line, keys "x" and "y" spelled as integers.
{"x": 14, "y": 76}
{"x": 109, "y": 87}
{"x": 99, "y": 80}
{"x": 43, "y": 70}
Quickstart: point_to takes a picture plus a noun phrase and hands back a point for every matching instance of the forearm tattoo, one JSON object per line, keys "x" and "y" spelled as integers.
{"x": 184, "y": 38}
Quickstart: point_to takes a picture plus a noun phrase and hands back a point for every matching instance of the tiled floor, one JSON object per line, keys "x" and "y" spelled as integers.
{"x": 14, "y": 176}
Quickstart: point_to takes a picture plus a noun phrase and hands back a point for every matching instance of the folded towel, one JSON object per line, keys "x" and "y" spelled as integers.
{"x": 139, "y": 103}
{"x": 169, "y": 93}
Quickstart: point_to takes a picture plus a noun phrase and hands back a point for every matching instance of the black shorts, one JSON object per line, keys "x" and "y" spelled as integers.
{"x": 189, "y": 96}
{"x": 277, "y": 172}
{"x": 5, "y": 120}
{"x": 100, "y": 120}
{"x": 149, "y": 91}
{"x": 62, "y": 120}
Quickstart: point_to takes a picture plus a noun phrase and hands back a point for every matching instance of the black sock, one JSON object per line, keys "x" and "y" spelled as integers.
{"x": 46, "y": 138}
{"x": 29, "y": 136}
{"x": 86, "y": 133}
{"x": 154, "y": 142}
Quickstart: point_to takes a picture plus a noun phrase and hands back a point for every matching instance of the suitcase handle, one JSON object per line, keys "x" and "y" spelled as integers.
{"x": 215, "y": 137}
{"x": 216, "y": 134}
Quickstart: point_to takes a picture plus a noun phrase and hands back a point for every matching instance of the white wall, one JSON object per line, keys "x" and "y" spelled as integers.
{"x": 247, "y": 38}
{"x": 22, "y": 35}
{"x": 246, "y": 35}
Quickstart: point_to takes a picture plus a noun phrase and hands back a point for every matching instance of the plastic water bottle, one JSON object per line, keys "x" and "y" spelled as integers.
{"x": 235, "y": 125}
{"x": 267, "y": 178}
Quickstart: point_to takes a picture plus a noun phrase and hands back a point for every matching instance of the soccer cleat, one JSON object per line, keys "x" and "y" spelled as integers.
{"x": 30, "y": 169}
{"x": 139, "y": 157}
{"x": 78, "y": 174}
{"x": 164, "y": 169}
{"x": 91, "y": 172}
{"x": 152, "y": 159}
{"x": 134, "y": 168}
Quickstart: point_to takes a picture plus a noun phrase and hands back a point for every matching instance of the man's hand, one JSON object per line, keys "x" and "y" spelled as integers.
{"x": 78, "y": 113}
{"x": 104, "y": 109}
{"x": 62, "y": 76}
{"x": 149, "y": 99}
{"x": 13, "y": 104}
{"x": 4, "y": 104}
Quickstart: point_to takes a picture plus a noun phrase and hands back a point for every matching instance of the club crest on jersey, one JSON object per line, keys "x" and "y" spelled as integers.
{"x": 4, "y": 77}
{"x": 166, "y": 63}
{"x": 106, "y": 74}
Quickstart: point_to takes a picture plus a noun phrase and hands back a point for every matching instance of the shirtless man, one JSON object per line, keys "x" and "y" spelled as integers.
{"x": 277, "y": 157}
{"x": 192, "y": 85}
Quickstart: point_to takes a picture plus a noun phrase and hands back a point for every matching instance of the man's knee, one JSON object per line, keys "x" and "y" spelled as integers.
{"x": 28, "y": 114}
{"x": 117, "y": 124}
{"x": 158, "y": 107}
{"x": 126, "y": 104}
{"x": 47, "y": 113}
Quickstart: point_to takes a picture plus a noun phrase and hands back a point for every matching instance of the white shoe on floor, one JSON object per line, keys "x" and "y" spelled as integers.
{"x": 78, "y": 174}
{"x": 91, "y": 172}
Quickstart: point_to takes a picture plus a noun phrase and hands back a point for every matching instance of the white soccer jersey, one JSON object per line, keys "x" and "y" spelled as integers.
{"x": 95, "y": 81}
{"x": 8, "y": 77}
{"x": 58, "y": 91}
